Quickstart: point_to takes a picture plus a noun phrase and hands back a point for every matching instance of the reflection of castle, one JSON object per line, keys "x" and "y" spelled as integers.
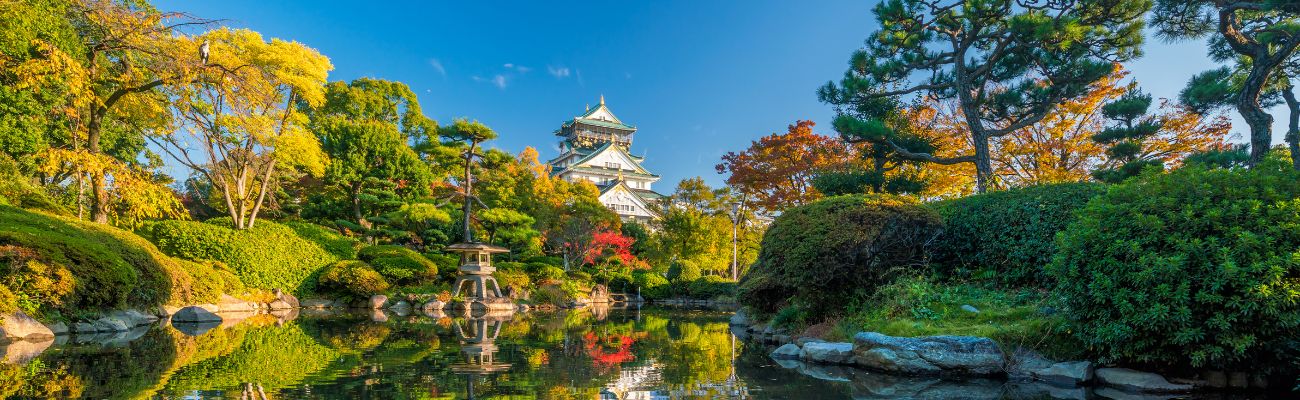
{"x": 478, "y": 346}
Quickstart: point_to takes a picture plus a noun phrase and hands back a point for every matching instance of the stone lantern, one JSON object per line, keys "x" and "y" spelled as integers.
{"x": 476, "y": 271}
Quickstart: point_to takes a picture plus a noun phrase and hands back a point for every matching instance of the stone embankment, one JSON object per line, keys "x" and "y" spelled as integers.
{"x": 957, "y": 357}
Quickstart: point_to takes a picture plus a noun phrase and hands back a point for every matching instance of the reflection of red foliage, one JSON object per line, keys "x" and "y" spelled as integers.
{"x": 596, "y": 349}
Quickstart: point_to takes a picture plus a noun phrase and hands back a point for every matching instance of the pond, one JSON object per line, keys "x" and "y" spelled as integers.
{"x": 601, "y": 353}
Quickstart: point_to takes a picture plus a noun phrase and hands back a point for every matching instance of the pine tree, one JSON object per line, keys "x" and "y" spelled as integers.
{"x": 1132, "y": 127}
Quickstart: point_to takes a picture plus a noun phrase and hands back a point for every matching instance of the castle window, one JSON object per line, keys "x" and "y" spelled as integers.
{"x": 613, "y": 165}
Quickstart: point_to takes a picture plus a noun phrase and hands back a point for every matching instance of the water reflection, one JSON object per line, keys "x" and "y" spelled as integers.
{"x": 583, "y": 354}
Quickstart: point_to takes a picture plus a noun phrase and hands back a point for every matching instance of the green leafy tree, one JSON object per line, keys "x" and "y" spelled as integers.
{"x": 366, "y": 127}
{"x": 471, "y": 134}
{"x": 1006, "y": 66}
{"x": 1258, "y": 36}
{"x": 1133, "y": 126}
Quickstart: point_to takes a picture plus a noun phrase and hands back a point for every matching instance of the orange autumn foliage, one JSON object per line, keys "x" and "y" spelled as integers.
{"x": 777, "y": 170}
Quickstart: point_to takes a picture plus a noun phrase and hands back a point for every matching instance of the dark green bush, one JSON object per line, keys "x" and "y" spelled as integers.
{"x": 342, "y": 247}
{"x": 399, "y": 265}
{"x": 711, "y": 286}
{"x": 448, "y": 265}
{"x": 1008, "y": 236}
{"x": 821, "y": 255}
{"x": 352, "y": 278}
{"x": 1196, "y": 268}
{"x": 267, "y": 256}
{"x": 509, "y": 266}
{"x": 579, "y": 276}
{"x": 653, "y": 286}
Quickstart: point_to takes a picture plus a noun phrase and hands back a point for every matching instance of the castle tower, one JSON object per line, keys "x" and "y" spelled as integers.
{"x": 595, "y": 147}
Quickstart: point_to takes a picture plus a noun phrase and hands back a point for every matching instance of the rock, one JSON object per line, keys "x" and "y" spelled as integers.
{"x": 195, "y": 328}
{"x": 278, "y": 305}
{"x": 1022, "y": 363}
{"x": 317, "y": 303}
{"x": 888, "y": 386}
{"x": 946, "y": 355}
{"x": 377, "y": 301}
{"x": 521, "y": 308}
{"x": 970, "y": 309}
{"x": 739, "y": 318}
{"x": 111, "y": 324}
{"x": 194, "y": 314}
{"x": 599, "y": 294}
{"x": 378, "y": 315}
{"x": 1044, "y": 390}
{"x": 285, "y": 297}
{"x": 229, "y": 303}
{"x": 58, "y": 328}
{"x": 781, "y": 339}
{"x": 789, "y": 351}
{"x": 19, "y": 326}
{"x": 400, "y": 305}
{"x": 804, "y": 340}
{"x": 1071, "y": 373}
{"x": 1238, "y": 380}
{"x": 22, "y": 351}
{"x": 1106, "y": 392}
{"x": 84, "y": 328}
{"x": 1138, "y": 381}
{"x": 827, "y": 353}
{"x": 133, "y": 318}
{"x": 434, "y": 305}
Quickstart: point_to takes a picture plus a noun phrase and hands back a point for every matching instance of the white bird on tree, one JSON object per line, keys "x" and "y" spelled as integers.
{"x": 203, "y": 51}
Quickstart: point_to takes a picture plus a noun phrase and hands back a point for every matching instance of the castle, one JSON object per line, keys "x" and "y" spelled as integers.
{"x": 594, "y": 147}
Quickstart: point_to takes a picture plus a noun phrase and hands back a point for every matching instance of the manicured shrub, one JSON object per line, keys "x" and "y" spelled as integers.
{"x": 821, "y": 255}
{"x": 683, "y": 271}
{"x": 512, "y": 278}
{"x": 267, "y": 256}
{"x": 1198, "y": 267}
{"x": 352, "y": 278}
{"x": 510, "y": 266}
{"x": 543, "y": 272}
{"x": 59, "y": 265}
{"x": 653, "y": 286}
{"x": 399, "y": 265}
{"x": 711, "y": 286}
{"x": 1008, "y": 236}
{"x": 342, "y": 247}
{"x": 579, "y": 276}
{"x": 448, "y": 265}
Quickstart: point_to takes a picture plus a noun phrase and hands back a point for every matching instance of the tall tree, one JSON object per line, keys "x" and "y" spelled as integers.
{"x": 777, "y": 170}
{"x": 242, "y": 117}
{"x": 471, "y": 134}
{"x": 1006, "y": 64}
{"x": 1259, "y": 36}
{"x": 366, "y": 127}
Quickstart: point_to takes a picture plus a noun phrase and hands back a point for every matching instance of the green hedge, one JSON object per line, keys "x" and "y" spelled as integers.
{"x": 1196, "y": 267}
{"x": 711, "y": 286}
{"x": 267, "y": 256}
{"x": 653, "y": 286}
{"x": 1007, "y": 236}
{"x": 399, "y": 265}
{"x": 342, "y": 247}
{"x": 352, "y": 278}
{"x": 60, "y": 265}
{"x": 819, "y": 256}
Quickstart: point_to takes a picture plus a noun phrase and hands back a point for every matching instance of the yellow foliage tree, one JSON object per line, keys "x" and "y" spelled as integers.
{"x": 239, "y": 112}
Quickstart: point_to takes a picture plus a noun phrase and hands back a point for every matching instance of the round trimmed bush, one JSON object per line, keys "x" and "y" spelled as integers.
{"x": 267, "y": 256}
{"x": 544, "y": 272}
{"x": 821, "y": 255}
{"x": 352, "y": 278}
{"x": 1007, "y": 236}
{"x": 1198, "y": 267}
{"x": 653, "y": 286}
{"x": 399, "y": 265}
{"x": 683, "y": 271}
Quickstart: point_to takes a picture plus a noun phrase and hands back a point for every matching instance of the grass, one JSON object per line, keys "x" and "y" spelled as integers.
{"x": 916, "y": 306}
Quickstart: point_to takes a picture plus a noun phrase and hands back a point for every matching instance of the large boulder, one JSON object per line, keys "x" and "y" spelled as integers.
{"x": 317, "y": 303}
{"x": 286, "y": 297}
{"x": 22, "y": 351}
{"x": 599, "y": 294}
{"x": 111, "y": 324}
{"x": 377, "y": 302}
{"x": 827, "y": 353}
{"x": 19, "y": 326}
{"x": 133, "y": 318}
{"x": 194, "y": 314}
{"x": 280, "y": 305}
{"x": 1138, "y": 381}
{"x": 932, "y": 355}
{"x": 739, "y": 318}
{"x": 229, "y": 303}
{"x": 789, "y": 351}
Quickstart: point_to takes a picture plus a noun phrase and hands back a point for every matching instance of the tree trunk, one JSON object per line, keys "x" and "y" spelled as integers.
{"x": 983, "y": 162}
{"x": 1260, "y": 122}
{"x": 1293, "y": 125}
{"x": 99, "y": 194}
{"x": 261, "y": 195}
{"x": 469, "y": 190}
{"x": 355, "y": 193}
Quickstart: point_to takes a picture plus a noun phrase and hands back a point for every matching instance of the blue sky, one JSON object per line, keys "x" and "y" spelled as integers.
{"x": 698, "y": 78}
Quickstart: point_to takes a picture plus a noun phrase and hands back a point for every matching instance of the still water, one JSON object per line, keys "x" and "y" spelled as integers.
{"x": 584, "y": 354}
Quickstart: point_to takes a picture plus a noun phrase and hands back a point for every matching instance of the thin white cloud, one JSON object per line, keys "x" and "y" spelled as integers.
{"x": 437, "y": 66}
{"x": 578, "y": 72}
{"x": 512, "y": 66}
{"x": 558, "y": 72}
{"x": 498, "y": 80}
